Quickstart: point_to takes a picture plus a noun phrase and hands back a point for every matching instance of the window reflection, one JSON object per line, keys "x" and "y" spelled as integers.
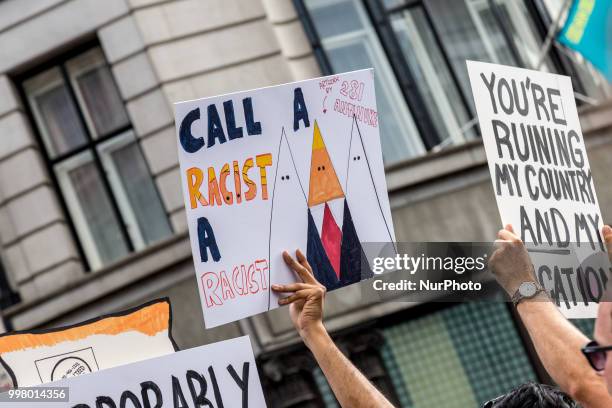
{"x": 351, "y": 43}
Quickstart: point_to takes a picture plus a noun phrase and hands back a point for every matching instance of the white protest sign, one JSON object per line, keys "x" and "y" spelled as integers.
{"x": 217, "y": 375}
{"x": 41, "y": 356}
{"x": 542, "y": 179}
{"x": 280, "y": 168}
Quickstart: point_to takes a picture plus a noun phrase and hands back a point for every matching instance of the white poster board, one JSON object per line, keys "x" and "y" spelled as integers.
{"x": 542, "y": 179}
{"x": 41, "y": 356}
{"x": 291, "y": 166}
{"x": 221, "y": 374}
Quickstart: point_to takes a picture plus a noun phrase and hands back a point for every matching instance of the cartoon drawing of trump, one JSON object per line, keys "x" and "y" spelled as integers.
{"x": 333, "y": 249}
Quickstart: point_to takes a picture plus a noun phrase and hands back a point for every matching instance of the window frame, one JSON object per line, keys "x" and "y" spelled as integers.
{"x": 465, "y": 104}
{"x": 380, "y": 18}
{"x": 82, "y": 64}
{"x": 406, "y": 83}
{"x": 118, "y": 188}
{"x": 92, "y": 145}
{"x": 373, "y": 47}
{"x": 8, "y": 296}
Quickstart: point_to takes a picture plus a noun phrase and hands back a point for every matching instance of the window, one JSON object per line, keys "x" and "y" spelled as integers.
{"x": 418, "y": 49}
{"x": 95, "y": 158}
{"x": 460, "y": 356}
{"x": 350, "y": 42}
{"x": 434, "y": 78}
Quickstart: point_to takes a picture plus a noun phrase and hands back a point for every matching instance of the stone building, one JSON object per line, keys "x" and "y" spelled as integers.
{"x": 91, "y": 211}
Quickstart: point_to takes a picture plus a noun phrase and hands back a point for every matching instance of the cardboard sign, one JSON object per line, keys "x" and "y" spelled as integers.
{"x": 280, "y": 168}
{"x": 542, "y": 179}
{"x": 217, "y": 375}
{"x": 38, "y": 357}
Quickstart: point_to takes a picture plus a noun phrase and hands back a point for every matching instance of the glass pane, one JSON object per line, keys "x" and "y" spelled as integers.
{"x": 467, "y": 30}
{"x": 554, "y": 7}
{"x": 91, "y": 208}
{"x": 393, "y": 3}
{"x": 524, "y": 34}
{"x": 491, "y": 32}
{"x": 333, "y": 17}
{"x": 432, "y": 75}
{"x": 102, "y": 99}
{"x": 97, "y": 92}
{"x": 356, "y": 46}
{"x": 138, "y": 185}
{"x": 55, "y": 113}
{"x": 459, "y": 357}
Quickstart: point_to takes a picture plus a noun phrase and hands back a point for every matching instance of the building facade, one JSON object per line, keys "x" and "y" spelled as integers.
{"x": 91, "y": 209}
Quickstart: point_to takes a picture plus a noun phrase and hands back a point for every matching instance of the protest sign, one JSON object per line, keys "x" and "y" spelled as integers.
{"x": 542, "y": 179}
{"x": 279, "y": 168}
{"x": 216, "y": 375}
{"x": 42, "y": 356}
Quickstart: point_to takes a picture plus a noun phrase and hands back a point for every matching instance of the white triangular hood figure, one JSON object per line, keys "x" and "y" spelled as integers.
{"x": 289, "y": 204}
{"x": 375, "y": 230}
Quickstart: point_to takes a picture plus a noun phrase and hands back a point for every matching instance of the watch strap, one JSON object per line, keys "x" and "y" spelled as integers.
{"x": 518, "y": 297}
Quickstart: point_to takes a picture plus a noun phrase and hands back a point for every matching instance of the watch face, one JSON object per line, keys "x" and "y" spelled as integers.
{"x": 528, "y": 289}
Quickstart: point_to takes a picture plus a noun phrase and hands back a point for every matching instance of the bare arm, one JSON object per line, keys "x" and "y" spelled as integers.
{"x": 556, "y": 340}
{"x": 558, "y": 344}
{"x": 349, "y": 385}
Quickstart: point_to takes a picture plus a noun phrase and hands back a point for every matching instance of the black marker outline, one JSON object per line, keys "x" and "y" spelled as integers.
{"x": 89, "y": 321}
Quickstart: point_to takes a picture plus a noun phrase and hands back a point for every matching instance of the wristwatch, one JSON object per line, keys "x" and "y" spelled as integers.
{"x": 527, "y": 290}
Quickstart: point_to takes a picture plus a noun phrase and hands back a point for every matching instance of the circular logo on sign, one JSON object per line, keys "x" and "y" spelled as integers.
{"x": 69, "y": 367}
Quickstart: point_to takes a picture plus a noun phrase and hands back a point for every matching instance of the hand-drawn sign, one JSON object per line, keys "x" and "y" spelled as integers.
{"x": 41, "y": 356}
{"x": 269, "y": 170}
{"x": 542, "y": 178}
{"x": 216, "y": 375}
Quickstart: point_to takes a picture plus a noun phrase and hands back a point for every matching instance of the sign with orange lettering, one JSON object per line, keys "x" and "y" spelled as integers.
{"x": 280, "y": 168}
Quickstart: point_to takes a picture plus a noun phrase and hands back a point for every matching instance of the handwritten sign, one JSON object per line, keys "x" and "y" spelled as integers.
{"x": 217, "y": 375}
{"x": 42, "y": 356}
{"x": 280, "y": 168}
{"x": 542, "y": 179}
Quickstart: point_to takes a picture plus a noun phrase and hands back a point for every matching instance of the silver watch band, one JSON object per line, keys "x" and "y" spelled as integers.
{"x": 518, "y": 297}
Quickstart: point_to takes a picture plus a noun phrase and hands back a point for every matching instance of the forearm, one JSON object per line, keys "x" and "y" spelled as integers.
{"x": 558, "y": 344}
{"x": 349, "y": 385}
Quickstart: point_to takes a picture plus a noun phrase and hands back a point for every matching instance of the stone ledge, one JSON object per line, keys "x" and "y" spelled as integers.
{"x": 594, "y": 118}
{"x": 49, "y": 31}
{"x": 97, "y": 284}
